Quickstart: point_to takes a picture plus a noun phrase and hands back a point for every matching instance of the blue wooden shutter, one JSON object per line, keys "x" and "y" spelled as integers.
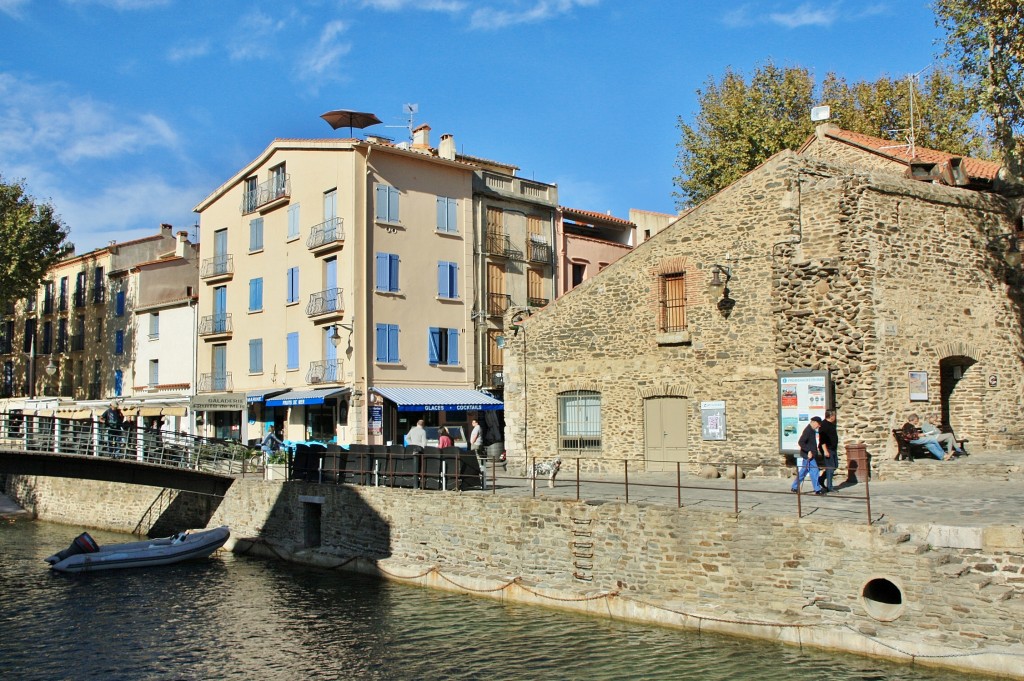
{"x": 453, "y": 215}
{"x": 433, "y": 345}
{"x": 393, "y": 343}
{"x": 442, "y": 280}
{"x": 453, "y": 279}
{"x": 256, "y": 234}
{"x": 119, "y": 342}
{"x": 393, "y": 204}
{"x": 442, "y": 213}
{"x": 453, "y": 346}
{"x": 118, "y": 382}
{"x": 382, "y": 202}
{"x": 293, "y": 220}
{"x": 382, "y": 272}
{"x": 119, "y": 308}
{"x": 393, "y": 268}
{"x": 382, "y": 342}
{"x": 255, "y": 355}
{"x": 252, "y": 295}
{"x": 293, "y": 350}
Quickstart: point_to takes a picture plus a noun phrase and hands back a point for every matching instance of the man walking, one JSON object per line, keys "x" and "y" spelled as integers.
{"x": 808, "y": 452}
{"x": 828, "y": 443}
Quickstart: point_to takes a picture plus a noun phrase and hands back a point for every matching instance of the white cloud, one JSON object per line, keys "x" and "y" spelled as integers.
{"x": 490, "y": 18}
{"x": 12, "y": 8}
{"x": 254, "y": 32}
{"x": 324, "y": 56}
{"x": 806, "y": 15}
{"x": 188, "y": 51}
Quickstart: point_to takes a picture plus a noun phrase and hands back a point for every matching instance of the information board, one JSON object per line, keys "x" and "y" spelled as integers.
{"x": 802, "y": 394}
{"x": 712, "y": 420}
{"x": 376, "y": 419}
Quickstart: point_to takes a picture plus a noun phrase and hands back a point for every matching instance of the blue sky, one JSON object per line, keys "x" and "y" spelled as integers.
{"x": 126, "y": 113}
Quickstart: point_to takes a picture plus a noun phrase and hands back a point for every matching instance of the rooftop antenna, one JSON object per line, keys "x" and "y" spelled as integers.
{"x": 911, "y": 132}
{"x": 409, "y": 110}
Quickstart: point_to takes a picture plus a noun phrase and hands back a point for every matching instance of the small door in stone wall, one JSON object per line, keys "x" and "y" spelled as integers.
{"x": 665, "y": 432}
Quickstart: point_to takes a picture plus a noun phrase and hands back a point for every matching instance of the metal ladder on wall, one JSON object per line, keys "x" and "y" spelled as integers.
{"x": 582, "y": 547}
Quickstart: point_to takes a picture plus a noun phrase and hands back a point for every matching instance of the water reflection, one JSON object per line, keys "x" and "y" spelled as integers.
{"x": 236, "y": 617}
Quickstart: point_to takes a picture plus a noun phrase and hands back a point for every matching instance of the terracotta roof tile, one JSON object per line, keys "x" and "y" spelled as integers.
{"x": 579, "y": 213}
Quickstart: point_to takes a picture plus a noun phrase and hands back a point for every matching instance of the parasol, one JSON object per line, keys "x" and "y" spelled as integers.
{"x": 343, "y": 118}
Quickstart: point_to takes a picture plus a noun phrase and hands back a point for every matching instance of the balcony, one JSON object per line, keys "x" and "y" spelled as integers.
{"x": 271, "y": 193}
{"x": 499, "y": 244}
{"x": 327, "y": 302}
{"x": 498, "y": 304}
{"x": 495, "y": 374}
{"x": 217, "y": 267}
{"x": 327, "y": 236}
{"x": 538, "y": 251}
{"x": 93, "y": 391}
{"x": 48, "y": 305}
{"x": 79, "y": 297}
{"x": 323, "y": 371}
{"x": 215, "y": 382}
{"x": 215, "y": 325}
{"x": 537, "y": 302}
{"x": 78, "y": 342}
{"x": 99, "y": 295}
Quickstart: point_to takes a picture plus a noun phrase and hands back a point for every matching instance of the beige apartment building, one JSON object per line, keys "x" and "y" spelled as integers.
{"x": 341, "y": 293}
{"x": 74, "y": 339}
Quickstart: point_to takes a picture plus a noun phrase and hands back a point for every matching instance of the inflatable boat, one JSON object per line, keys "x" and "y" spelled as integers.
{"x": 85, "y": 555}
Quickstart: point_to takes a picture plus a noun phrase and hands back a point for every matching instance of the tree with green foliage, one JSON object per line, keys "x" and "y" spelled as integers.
{"x": 32, "y": 239}
{"x": 741, "y": 124}
{"x": 985, "y": 41}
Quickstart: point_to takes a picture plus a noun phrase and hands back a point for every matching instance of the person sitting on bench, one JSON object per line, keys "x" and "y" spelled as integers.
{"x": 930, "y": 430}
{"x": 912, "y": 431}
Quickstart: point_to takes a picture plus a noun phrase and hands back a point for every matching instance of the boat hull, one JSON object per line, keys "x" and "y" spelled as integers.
{"x": 165, "y": 551}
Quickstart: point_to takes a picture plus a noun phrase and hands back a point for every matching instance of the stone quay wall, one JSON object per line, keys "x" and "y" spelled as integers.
{"x": 952, "y": 599}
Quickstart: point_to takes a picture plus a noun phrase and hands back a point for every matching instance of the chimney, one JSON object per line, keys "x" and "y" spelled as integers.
{"x": 179, "y": 246}
{"x": 421, "y": 137}
{"x": 165, "y": 229}
{"x": 446, "y": 149}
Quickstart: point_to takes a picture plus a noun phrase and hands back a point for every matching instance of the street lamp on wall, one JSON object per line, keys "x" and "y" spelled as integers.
{"x": 51, "y": 368}
{"x": 719, "y": 288}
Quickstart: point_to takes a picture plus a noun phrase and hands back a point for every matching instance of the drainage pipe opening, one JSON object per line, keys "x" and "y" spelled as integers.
{"x": 882, "y": 598}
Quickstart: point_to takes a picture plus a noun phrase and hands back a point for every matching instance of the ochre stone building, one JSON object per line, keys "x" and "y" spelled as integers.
{"x": 828, "y": 265}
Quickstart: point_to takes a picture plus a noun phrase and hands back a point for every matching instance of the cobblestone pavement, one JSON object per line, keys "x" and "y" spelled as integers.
{"x": 956, "y": 496}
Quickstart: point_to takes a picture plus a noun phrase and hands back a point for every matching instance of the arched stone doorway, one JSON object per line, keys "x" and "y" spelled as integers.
{"x": 961, "y": 390}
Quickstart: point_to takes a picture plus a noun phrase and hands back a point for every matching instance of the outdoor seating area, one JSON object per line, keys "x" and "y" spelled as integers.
{"x": 908, "y": 452}
{"x": 410, "y": 467}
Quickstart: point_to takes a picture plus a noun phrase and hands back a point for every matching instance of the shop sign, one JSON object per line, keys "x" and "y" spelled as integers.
{"x": 219, "y": 402}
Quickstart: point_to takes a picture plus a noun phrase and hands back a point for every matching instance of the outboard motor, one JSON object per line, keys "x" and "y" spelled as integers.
{"x": 83, "y": 543}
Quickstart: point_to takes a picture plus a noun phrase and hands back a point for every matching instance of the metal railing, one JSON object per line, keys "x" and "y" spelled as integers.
{"x": 537, "y": 302}
{"x": 215, "y": 323}
{"x": 99, "y": 294}
{"x": 538, "y": 251}
{"x": 89, "y": 437}
{"x": 215, "y": 381}
{"x": 79, "y": 297}
{"x": 325, "y": 302}
{"x": 499, "y": 244}
{"x": 277, "y": 187}
{"x": 217, "y": 266}
{"x": 327, "y": 232}
{"x": 498, "y": 304}
{"x": 323, "y": 371}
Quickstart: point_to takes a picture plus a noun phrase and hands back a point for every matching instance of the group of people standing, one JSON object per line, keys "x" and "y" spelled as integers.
{"x": 820, "y": 440}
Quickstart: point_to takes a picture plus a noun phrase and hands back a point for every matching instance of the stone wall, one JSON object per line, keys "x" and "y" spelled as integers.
{"x": 806, "y": 581}
{"x": 867, "y": 275}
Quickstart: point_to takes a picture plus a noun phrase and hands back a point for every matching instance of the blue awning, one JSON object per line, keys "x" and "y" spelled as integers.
{"x": 261, "y": 395}
{"x": 439, "y": 399}
{"x": 295, "y": 398}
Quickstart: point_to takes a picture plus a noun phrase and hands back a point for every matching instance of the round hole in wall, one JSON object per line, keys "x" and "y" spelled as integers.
{"x": 882, "y": 598}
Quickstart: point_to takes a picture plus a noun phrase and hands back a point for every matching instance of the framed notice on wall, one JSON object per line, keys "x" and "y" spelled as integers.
{"x": 918, "y": 382}
{"x": 712, "y": 420}
{"x": 802, "y": 394}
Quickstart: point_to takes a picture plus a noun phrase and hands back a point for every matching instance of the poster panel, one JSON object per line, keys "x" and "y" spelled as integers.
{"x": 802, "y": 394}
{"x": 712, "y": 420}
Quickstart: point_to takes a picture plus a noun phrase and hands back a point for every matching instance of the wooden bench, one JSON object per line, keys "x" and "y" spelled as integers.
{"x": 908, "y": 452}
{"x": 961, "y": 444}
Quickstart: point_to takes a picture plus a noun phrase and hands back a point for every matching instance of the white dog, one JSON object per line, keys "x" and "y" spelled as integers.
{"x": 548, "y": 469}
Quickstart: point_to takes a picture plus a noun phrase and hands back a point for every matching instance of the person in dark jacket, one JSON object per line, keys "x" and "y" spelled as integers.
{"x": 828, "y": 445}
{"x": 808, "y": 452}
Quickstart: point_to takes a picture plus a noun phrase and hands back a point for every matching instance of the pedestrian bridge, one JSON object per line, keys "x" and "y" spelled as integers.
{"x": 81, "y": 448}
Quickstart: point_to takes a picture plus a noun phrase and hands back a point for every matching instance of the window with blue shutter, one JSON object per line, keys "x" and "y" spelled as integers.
{"x": 293, "y": 285}
{"x": 119, "y": 304}
{"x": 256, "y": 234}
{"x": 447, "y": 279}
{"x": 119, "y": 342}
{"x": 293, "y": 350}
{"x": 256, "y": 294}
{"x": 255, "y": 355}
{"x": 447, "y": 215}
{"x": 387, "y": 272}
{"x": 293, "y": 221}
{"x": 387, "y": 203}
{"x": 443, "y": 346}
{"x": 387, "y": 343}
{"x": 118, "y": 382}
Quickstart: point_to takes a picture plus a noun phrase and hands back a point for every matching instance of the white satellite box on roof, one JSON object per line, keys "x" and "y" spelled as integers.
{"x": 821, "y": 113}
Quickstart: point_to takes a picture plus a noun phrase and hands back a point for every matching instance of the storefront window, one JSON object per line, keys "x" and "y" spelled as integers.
{"x": 320, "y": 422}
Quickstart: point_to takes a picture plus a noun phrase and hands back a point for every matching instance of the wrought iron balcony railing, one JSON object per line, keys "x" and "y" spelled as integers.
{"x": 215, "y": 323}
{"x": 538, "y": 251}
{"x": 215, "y": 381}
{"x": 277, "y": 187}
{"x": 99, "y": 294}
{"x": 79, "y": 297}
{"x": 325, "y": 302}
{"x": 499, "y": 244}
{"x": 323, "y": 371}
{"x": 326, "y": 233}
{"x": 216, "y": 266}
{"x": 496, "y": 374}
{"x": 498, "y": 304}
{"x": 537, "y": 302}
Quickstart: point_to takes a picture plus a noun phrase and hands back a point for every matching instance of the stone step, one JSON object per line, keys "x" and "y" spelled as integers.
{"x": 988, "y": 466}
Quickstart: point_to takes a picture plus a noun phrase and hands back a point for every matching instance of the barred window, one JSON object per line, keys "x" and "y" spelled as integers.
{"x": 579, "y": 420}
{"x": 673, "y": 303}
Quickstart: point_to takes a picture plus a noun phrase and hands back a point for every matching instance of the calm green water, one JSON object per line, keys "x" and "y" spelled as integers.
{"x": 233, "y": 617}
